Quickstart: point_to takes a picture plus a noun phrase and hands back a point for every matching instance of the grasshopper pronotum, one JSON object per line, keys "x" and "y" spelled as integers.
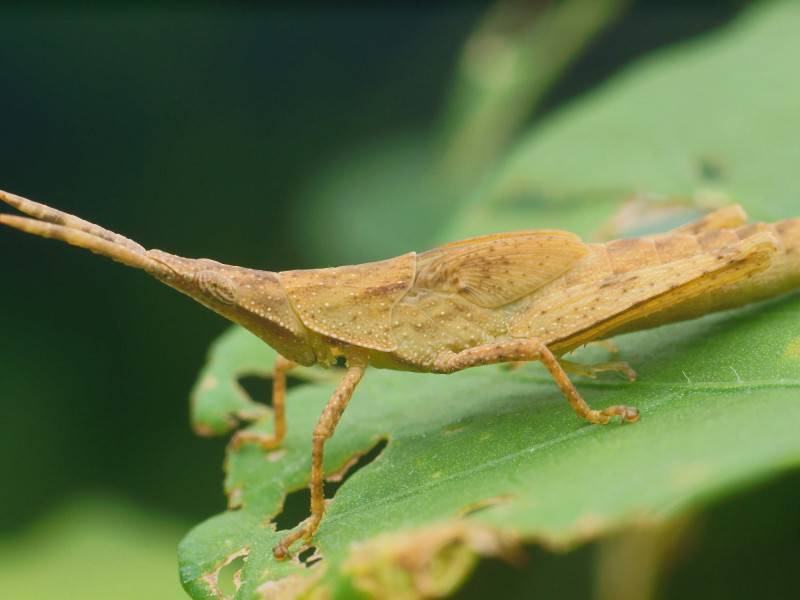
{"x": 511, "y": 297}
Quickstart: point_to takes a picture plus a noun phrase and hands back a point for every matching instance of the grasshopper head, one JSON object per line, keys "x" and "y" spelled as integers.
{"x": 211, "y": 283}
{"x": 252, "y": 298}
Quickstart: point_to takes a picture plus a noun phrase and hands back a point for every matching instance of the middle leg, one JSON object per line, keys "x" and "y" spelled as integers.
{"x": 592, "y": 370}
{"x": 270, "y": 442}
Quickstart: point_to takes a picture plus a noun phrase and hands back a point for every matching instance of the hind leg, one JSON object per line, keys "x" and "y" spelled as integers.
{"x": 529, "y": 350}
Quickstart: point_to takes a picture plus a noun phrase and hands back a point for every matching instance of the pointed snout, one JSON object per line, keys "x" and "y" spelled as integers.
{"x": 207, "y": 281}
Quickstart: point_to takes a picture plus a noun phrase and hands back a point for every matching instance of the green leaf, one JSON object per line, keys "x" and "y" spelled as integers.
{"x": 718, "y": 114}
{"x": 480, "y": 460}
{"x": 713, "y": 419}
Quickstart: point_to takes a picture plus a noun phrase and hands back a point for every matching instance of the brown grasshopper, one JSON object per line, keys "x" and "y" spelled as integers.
{"x": 510, "y": 297}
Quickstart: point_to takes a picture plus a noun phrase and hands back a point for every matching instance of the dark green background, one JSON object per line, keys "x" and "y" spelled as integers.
{"x": 191, "y": 128}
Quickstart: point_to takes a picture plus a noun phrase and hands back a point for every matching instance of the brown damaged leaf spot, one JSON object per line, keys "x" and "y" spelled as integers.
{"x": 425, "y": 563}
{"x": 276, "y": 455}
{"x": 295, "y": 586}
{"x": 590, "y": 525}
{"x": 203, "y": 430}
{"x": 479, "y": 505}
{"x": 646, "y": 211}
{"x": 793, "y": 349}
{"x": 212, "y": 579}
{"x": 209, "y": 382}
{"x": 235, "y": 498}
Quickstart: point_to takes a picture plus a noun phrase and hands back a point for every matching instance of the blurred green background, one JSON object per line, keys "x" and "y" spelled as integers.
{"x": 200, "y": 129}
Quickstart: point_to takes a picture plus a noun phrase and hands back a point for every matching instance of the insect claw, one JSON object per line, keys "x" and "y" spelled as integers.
{"x": 281, "y": 552}
{"x": 627, "y": 371}
{"x": 631, "y": 414}
{"x": 265, "y": 442}
{"x": 628, "y": 414}
{"x": 235, "y": 442}
{"x": 304, "y": 532}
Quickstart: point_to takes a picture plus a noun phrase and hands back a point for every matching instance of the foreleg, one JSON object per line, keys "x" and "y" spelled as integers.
{"x": 325, "y": 427}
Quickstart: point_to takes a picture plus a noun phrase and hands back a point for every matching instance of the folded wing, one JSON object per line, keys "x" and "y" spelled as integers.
{"x": 494, "y": 270}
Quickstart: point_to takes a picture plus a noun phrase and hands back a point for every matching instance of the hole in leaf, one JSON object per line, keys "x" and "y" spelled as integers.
{"x": 308, "y": 556}
{"x": 297, "y": 503}
{"x": 335, "y": 480}
{"x": 229, "y": 577}
{"x": 711, "y": 168}
{"x": 260, "y": 388}
{"x": 295, "y": 509}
